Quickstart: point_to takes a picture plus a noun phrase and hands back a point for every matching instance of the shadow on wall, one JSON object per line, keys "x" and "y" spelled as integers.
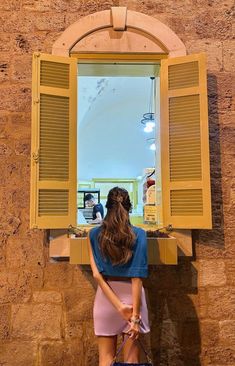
{"x": 174, "y": 300}
{"x": 175, "y": 333}
{"x": 208, "y": 240}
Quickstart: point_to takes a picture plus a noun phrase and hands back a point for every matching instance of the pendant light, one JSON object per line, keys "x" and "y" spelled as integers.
{"x": 152, "y": 145}
{"x": 148, "y": 119}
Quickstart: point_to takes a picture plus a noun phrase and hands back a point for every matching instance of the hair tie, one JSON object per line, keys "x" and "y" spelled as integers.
{"x": 120, "y": 199}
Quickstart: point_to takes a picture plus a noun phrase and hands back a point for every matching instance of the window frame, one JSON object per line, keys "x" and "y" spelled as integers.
{"x": 151, "y": 58}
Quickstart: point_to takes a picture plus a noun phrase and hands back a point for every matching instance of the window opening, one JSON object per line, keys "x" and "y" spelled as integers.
{"x": 115, "y": 147}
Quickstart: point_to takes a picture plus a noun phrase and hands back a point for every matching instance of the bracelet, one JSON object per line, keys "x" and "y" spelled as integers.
{"x": 135, "y": 320}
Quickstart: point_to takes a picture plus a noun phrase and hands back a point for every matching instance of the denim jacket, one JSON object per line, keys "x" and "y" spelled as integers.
{"x": 137, "y": 266}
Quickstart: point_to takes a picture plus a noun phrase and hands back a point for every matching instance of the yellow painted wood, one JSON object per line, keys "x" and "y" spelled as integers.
{"x": 79, "y": 253}
{"x": 53, "y": 182}
{"x": 160, "y": 251}
{"x": 119, "y": 57}
{"x": 185, "y": 166}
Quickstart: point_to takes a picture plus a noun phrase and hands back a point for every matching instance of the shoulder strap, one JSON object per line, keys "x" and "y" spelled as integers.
{"x": 122, "y": 345}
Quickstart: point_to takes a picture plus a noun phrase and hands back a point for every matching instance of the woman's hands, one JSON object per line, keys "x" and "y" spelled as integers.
{"x": 126, "y": 311}
{"x": 134, "y": 330}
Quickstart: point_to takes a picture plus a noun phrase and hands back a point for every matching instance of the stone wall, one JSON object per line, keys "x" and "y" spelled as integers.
{"x": 46, "y": 308}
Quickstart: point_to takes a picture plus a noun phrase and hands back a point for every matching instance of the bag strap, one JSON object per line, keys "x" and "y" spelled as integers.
{"x": 123, "y": 344}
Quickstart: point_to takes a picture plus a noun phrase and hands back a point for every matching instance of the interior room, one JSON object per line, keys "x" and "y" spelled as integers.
{"x": 118, "y": 136}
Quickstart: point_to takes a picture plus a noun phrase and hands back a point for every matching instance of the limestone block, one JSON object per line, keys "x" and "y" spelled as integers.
{"x": 4, "y": 69}
{"x": 18, "y": 353}
{"x": 5, "y": 311}
{"x": 209, "y": 331}
{"x": 229, "y": 214}
{"x": 10, "y": 5}
{"x": 58, "y": 275}
{"x": 198, "y": 305}
{"x": 219, "y": 104}
{"x": 47, "y": 297}
{"x": 214, "y": 355}
{"x": 20, "y": 126}
{"x": 79, "y": 306}
{"x": 16, "y": 98}
{"x": 37, "y": 321}
{"x": 51, "y": 37}
{"x": 49, "y": 21}
{"x": 228, "y": 168}
{"x": 55, "y": 353}
{"x": 220, "y": 83}
{"x": 22, "y": 69}
{"x": 227, "y": 332}
{"x": 5, "y": 149}
{"x": 214, "y": 24}
{"x": 23, "y": 252}
{"x": 14, "y": 286}
{"x": 221, "y": 303}
{"x": 78, "y": 351}
{"x": 228, "y": 182}
{"x": 15, "y": 23}
{"x": 230, "y": 270}
{"x": 20, "y": 196}
{"x": 27, "y": 43}
{"x": 212, "y": 273}
{"x": 44, "y": 5}
{"x": 229, "y": 56}
{"x": 85, "y": 7}
{"x": 4, "y": 121}
{"x": 227, "y": 140}
{"x": 212, "y": 49}
{"x": 9, "y": 223}
{"x": 36, "y": 279}
{"x": 29, "y": 22}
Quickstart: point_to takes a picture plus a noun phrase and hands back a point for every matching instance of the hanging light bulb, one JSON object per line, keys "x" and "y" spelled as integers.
{"x": 148, "y": 128}
{"x": 148, "y": 118}
{"x": 150, "y": 124}
{"x": 152, "y": 145}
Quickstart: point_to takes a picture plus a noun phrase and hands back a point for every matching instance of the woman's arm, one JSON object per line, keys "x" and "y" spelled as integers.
{"x": 98, "y": 219}
{"x": 136, "y": 295}
{"x": 124, "y": 310}
{"x": 136, "y": 300}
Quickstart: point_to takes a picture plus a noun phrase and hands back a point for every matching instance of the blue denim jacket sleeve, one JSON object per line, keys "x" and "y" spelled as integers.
{"x": 95, "y": 249}
{"x": 139, "y": 263}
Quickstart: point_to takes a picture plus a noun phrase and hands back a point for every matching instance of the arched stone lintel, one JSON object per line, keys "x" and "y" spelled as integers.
{"x": 103, "y": 19}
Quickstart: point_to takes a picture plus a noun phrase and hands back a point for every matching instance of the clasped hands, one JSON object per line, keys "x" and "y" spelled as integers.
{"x": 126, "y": 311}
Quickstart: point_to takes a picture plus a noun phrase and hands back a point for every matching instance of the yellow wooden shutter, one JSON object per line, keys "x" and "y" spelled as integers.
{"x": 53, "y": 193}
{"x": 185, "y": 143}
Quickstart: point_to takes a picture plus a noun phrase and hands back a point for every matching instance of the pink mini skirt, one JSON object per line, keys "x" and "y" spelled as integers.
{"x": 107, "y": 320}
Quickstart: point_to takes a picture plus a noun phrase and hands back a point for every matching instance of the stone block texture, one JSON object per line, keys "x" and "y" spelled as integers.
{"x": 46, "y": 308}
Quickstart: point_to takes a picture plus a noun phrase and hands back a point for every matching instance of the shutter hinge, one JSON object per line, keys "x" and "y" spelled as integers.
{"x": 36, "y": 156}
{"x": 36, "y": 54}
{"x": 36, "y": 101}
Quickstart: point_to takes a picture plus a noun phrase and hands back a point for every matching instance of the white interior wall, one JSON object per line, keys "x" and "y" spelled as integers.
{"x": 111, "y": 140}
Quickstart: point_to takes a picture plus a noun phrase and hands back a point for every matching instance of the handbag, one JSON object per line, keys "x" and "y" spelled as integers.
{"x": 114, "y": 363}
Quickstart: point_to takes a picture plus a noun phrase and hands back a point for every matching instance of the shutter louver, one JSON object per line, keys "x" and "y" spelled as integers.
{"x": 54, "y": 150}
{"x": 185, "y": 143}
{"x": 53, "y": 164}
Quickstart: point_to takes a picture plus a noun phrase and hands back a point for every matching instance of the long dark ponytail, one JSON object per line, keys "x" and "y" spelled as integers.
{"x": 117, "y": 237}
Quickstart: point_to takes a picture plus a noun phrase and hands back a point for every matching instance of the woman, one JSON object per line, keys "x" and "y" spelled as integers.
{"x": 118, "y": 256}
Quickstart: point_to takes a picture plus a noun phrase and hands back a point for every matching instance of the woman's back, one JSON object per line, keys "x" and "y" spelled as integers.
{"x": 137, "y": 266}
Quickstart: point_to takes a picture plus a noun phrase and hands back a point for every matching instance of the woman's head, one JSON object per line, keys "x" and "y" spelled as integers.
{"x": 117, "y": 237}
{"x": 118, "y": 196}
